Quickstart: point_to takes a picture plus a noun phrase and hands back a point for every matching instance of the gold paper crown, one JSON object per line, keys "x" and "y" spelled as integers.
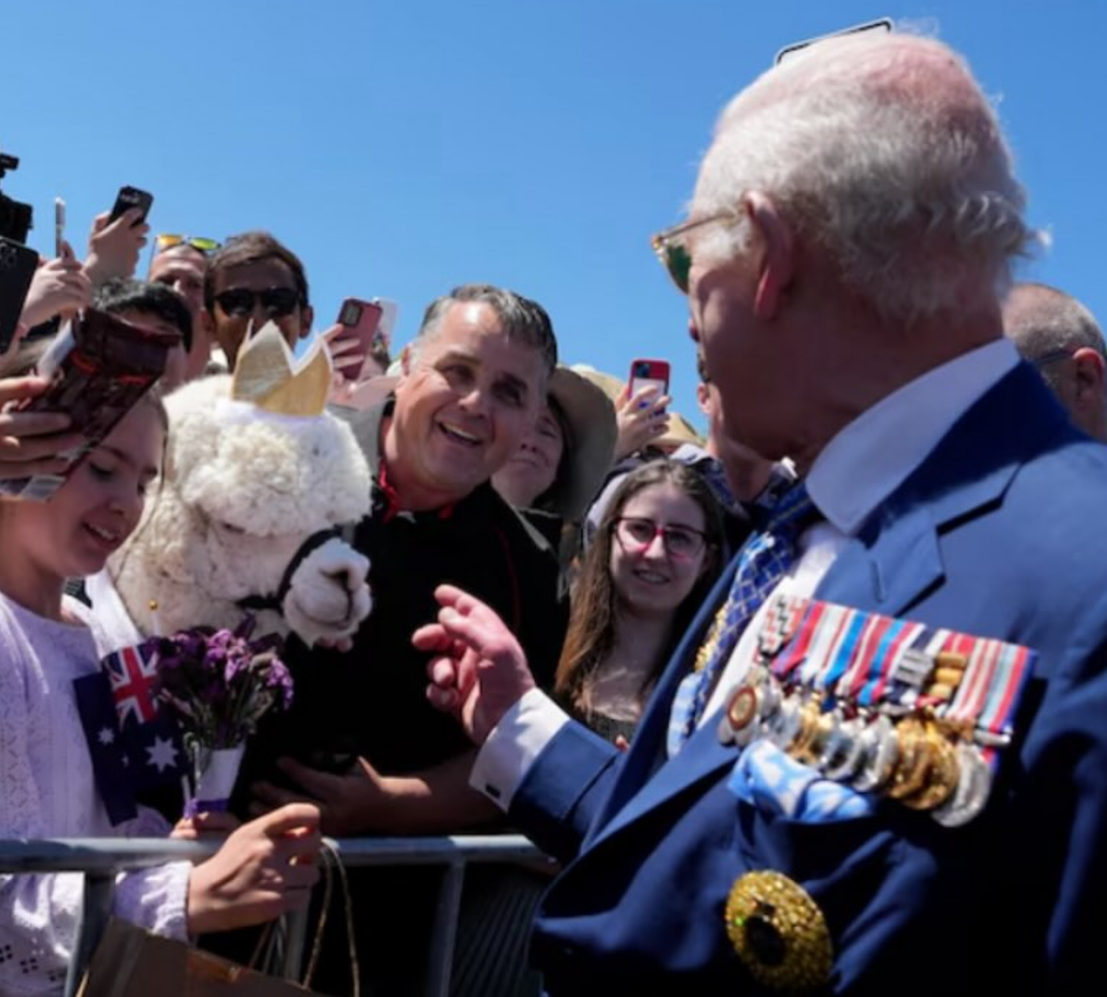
{"x": 267, "y": 375}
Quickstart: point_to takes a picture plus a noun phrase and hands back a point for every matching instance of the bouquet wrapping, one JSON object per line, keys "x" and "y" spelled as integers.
{"x": 219, "y": 683}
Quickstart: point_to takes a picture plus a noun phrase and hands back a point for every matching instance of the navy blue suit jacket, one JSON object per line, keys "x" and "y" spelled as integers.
{"x": 1001, "y": 532}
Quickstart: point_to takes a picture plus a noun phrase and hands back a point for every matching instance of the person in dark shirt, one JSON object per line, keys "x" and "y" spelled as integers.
{"x": 361, "y": 739}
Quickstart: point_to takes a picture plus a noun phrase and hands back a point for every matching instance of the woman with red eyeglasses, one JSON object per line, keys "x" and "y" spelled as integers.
{"x": 656, "y": 554}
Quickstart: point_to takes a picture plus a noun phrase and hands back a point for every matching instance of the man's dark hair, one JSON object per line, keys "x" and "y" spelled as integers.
{"x": 523, "y": 320}
{"x": 253, "y": 247}
{"x": 122, "y": 294}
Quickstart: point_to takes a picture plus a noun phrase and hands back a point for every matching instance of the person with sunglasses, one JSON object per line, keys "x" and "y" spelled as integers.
{"x": 181, "y": 263}
{"x": 1060, "y": 337}
{"x": 253, "y": 279}
{"x": 877, "y": 763}
{"x": 656, "y": 555}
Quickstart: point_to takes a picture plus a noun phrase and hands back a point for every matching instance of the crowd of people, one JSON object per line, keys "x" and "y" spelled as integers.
{"x": 580, "y": 623}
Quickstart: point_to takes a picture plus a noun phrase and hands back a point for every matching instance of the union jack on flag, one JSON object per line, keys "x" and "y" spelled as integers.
{"x": 133, "y": 674}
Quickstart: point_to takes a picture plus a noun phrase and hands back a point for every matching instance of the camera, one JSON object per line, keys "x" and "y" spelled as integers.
{"x": 15, "y": 217}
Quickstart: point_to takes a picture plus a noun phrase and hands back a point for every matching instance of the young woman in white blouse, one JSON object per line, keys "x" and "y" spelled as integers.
{"x": 47, "y": 788}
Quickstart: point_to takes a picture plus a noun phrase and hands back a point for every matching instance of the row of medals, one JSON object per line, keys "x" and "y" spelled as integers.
{"x": 908, "y": 754}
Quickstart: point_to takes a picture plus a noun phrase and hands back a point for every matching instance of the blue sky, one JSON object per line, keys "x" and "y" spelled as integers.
{"x": 404, "y": 147}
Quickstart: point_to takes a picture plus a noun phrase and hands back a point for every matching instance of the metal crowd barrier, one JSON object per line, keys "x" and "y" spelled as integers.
{"x": 101, "y": 859}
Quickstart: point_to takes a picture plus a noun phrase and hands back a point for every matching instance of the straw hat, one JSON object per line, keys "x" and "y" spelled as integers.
{"x": 680, "y": 431}
{"x": 589, "y": 418}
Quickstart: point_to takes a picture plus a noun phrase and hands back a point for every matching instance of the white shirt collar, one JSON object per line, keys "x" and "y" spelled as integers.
{"x": 870, "y": 457}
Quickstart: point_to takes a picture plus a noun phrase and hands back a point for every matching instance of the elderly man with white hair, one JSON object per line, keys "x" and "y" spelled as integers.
{"x": 878, "y": 762}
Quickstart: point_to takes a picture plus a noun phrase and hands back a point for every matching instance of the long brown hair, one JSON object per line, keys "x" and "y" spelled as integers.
{"x": 592, "y": 618}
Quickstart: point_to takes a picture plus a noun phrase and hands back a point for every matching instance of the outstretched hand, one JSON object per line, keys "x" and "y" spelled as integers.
{"x": 478, "y": 671}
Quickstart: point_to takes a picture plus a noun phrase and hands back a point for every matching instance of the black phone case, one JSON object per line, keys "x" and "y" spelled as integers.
{"x": 17, "y": 268}
{"x": 131, "y": 197}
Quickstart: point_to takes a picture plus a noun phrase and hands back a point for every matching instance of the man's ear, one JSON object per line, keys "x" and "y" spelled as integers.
{"x": 407, "y": 360}
{"x": 1091, "y": 372}
{"x": 778, "y": 257}
{"x": 307, "y": 315}
{"x": 703, "y": 398}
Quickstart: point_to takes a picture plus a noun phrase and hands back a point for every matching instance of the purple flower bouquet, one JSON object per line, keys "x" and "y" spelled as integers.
{"x": 219, "y": 683}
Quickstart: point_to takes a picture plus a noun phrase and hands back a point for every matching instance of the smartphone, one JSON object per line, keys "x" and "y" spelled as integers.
{"x": 361, "y": 321}
{"x": 131, "y": 197}
{"x": 649, "y": 374}
{"x": 17, "y": 268}
{"x": 59, "y": 227}
{"x": 99, "y": 366}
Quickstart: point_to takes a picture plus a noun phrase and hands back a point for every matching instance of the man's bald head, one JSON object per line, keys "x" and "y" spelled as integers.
{"x": 881, "y": 150}
{"x": 1060, "y": 336}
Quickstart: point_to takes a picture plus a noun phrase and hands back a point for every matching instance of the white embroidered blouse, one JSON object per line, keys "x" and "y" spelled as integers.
{"x": 47, "y": 790}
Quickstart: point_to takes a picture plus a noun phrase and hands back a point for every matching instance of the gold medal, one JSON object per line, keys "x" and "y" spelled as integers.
{"x": 915, "y": 759}
{"x": 808, "y": 724}
{"x": 779, "y": 933}
{"x": 943, "y": 776}
{"x": 815, "y": 737}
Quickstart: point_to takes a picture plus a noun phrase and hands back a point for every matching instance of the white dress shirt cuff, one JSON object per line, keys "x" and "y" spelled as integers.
{"x": 514, "y": 744}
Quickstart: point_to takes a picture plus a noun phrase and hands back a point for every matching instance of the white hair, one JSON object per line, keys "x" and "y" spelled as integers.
{"x": 903, "y": 179}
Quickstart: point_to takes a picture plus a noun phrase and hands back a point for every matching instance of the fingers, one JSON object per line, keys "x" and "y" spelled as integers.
{"x": 432, "y": 637}
{"x": 14, "y": 389}
{"x": 482, "y": 630}
{"x": 130, "y": 219}
{"x": 443, "y": 698}
{"x": 289, "y": 818}
{"x": 449, "y": 596}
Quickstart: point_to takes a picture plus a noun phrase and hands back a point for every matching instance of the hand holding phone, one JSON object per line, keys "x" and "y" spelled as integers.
{"x": 59, "y": 288}
{"x": 99, "y": 367}
{"x": 114, "y": 246}
{"x": 640, "y": 420}
{"x": 649, "y": 374}
{"x": 352, "y": 338}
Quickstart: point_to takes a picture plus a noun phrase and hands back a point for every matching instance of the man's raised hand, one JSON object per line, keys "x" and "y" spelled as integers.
{"x": 478, "y": 670}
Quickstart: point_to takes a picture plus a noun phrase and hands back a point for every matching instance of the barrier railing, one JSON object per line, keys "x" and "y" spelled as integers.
{"x": 101, "y": 859}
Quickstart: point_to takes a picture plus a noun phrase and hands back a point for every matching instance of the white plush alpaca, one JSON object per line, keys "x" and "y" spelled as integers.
{"x": 257, "y": 477}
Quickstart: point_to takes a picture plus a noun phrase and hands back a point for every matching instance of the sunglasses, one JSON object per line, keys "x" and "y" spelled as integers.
{"x": 276, "y": 302}
{"x": 682, "y": 543}
{"x": 169, "y": 241}
{"x": 673, "y": 254}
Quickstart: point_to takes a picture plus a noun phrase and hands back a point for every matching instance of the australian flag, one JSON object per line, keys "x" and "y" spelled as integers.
{"x": 135, "y": 745}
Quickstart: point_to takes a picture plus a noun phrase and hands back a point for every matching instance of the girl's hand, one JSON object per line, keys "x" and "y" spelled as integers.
{"x": 265, "y": 869}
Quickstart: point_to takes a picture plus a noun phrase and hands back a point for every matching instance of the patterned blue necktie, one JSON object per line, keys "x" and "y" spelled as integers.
{"x": 762, "y": 563}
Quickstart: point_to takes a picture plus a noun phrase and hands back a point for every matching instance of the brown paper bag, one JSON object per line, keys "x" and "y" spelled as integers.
{"x": 132, "y": 962}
